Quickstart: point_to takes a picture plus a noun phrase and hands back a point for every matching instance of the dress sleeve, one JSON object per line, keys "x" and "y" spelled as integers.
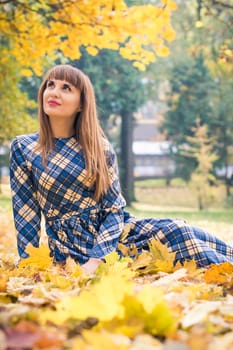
{"x": 26, "y": 211}
{"x": 112, "y": 222}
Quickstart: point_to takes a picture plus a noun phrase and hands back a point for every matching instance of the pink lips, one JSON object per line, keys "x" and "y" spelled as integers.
{"x": 53, "y": 103}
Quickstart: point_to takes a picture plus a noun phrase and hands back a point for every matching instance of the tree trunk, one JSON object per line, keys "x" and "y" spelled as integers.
{"x": 126, "y": 159}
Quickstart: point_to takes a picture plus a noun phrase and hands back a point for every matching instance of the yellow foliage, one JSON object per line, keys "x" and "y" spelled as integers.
{"x": 60, "y": 282}
{"x": 199, "y": 24}
{"x": 159, "y": 258}
{"x": 103, "y": 341}
{"x": 156, "y": 319}
{"x": 149, "y": 297}
{"x": 162, "y": 51}
{"x": 92, "y": 50}
{"x": 26, "y": 72}
{"x": 38, "y": 258}
{"x": 113, "y": 309}
{"x": 170, "y": 4}
{"x": 3, "y": 282}
{"x": 220, "y": 274}
{"x": 92, "y": 24}
{"x": 139, "y": 65}
{"x": 103, "y": 301}
{"x": 163, "y": 258}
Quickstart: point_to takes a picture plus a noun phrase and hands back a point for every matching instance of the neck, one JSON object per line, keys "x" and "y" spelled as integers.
{"x": 62, "y": 128}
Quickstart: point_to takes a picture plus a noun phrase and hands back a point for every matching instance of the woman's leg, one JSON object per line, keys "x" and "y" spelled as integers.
{"x": 188, "y": 242}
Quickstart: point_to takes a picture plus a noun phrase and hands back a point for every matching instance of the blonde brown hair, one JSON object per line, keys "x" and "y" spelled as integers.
{"x": 88, "y": 131}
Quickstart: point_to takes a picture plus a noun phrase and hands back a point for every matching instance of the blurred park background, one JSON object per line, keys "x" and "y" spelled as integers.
{"x": 162, "y": 73}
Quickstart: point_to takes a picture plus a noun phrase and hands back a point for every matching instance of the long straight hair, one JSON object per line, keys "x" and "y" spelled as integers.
{"x": 88, "y": 131}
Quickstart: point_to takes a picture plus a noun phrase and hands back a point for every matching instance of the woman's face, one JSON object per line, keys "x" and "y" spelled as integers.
{"x": 61, "y": 99}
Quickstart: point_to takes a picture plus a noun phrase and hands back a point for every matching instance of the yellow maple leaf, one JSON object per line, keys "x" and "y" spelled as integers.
{"x": 220, "y": 274}
{"x": 60, "y": 282}
{"x": 103, "y": 300}
{"x": 141, "y": 261}
{"x": 125, "y": 232}
{"x": 160, "y": 251}
{"x": 112, "y": 258}
{"x": 123, "y": 249}
{"x": 39, "y": 258}
{"x": 164, "y": 266}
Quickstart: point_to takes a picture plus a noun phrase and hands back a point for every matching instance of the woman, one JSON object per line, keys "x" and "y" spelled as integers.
{"x": 68, "y": 172}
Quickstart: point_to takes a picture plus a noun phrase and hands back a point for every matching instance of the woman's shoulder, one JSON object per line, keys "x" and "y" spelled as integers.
{"x": 24, "y": 143}
{"x": 26, "y": 139}
{"x": 108, "y": 147}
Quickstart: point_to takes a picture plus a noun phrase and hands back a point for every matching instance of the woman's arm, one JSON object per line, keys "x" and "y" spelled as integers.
{"x": 112, "y": 206}
{"x": 27, "y": 214}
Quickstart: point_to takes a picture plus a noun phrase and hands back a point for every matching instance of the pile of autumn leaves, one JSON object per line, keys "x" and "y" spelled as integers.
{"x": 140, "y": 304}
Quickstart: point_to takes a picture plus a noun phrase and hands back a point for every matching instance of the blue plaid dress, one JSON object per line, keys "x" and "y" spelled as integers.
{"x": 77, "y": 225}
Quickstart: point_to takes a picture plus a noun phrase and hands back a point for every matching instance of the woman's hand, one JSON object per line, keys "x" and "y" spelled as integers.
{"x": 91, "y": 265}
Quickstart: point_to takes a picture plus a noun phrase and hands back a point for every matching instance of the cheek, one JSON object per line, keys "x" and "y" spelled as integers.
{"x": 75, "y": 104}
{"x": 44, "y": 98}
{"x": 45, "y": 94}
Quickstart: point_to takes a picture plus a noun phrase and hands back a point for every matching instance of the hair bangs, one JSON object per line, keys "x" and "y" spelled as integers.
{"x": 67, "y": 73}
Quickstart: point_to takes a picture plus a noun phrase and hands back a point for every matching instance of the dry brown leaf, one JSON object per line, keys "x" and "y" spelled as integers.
{"x": 30, "y": 336}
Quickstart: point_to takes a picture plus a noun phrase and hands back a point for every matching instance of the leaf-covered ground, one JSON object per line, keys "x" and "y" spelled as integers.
{"x": 140, "y": 304}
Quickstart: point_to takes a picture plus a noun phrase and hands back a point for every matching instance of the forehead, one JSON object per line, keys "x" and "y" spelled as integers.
{"x": 69, "y": 75}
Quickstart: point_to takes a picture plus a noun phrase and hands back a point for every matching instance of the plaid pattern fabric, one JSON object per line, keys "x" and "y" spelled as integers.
{"x": 76, "y": 224}
{"x": 188, "y": 242}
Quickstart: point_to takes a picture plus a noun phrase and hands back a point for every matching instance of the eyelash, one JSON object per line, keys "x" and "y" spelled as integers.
{"x": 50, "y": 83}
{"x": 65, "y": 86}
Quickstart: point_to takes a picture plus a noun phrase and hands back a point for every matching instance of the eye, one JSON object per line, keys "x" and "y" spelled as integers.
{"x": 67, "y": 87}
{"x": 50, "y": 83}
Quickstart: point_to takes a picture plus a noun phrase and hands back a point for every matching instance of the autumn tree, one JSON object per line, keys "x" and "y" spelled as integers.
{"x": 190, "y": 95}
{"x": 216, "y": 17}
{"x": 203, "y": 44}
{"x": 199, "y": 148}
{"x": 35, "y": 29}
{"x": 13, "y": 104}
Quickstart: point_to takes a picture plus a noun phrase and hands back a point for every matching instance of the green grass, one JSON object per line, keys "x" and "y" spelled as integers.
{"x": 152, "y": 183}
{"x": 155, "y": 199}
{"x": 224, "y": 215}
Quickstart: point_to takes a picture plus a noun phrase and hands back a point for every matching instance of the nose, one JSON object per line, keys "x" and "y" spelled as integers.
{"x": 54, "y": 91}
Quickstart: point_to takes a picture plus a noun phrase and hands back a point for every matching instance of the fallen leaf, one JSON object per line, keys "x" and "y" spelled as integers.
{"x": 3, "y": 282}
{"x": 38, "y": 258}
{"x": 220, "y": 274}
{"x": 170, "y": 279}
{"x": 197, "y": 312}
